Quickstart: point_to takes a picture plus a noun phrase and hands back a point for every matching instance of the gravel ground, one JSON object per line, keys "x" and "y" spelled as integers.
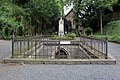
{"x": 5, "y": 49}
{"x": 59, "y": 72}
{"x": 114, "y": 49}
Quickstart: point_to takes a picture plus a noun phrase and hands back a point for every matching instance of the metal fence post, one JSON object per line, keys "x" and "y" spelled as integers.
{"x": 91, "y": 42}
{"x": 59, "y": 46}
{"x": 106, "y": 45}
{"x": 28, "y": 45}
{"x": 35, "y": 48}
{"x": 20, "y": 48}
{"x": 13, "y": 45}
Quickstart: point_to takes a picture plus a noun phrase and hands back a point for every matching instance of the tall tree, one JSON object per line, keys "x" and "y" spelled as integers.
{"x": 31, "y": 14}
{"x": 101, "y": 5}
{"x": 8, "y": 18}
{"x": 92, "y": 8}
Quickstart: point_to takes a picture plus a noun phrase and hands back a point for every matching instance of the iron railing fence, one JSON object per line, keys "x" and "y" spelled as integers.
{"x": 45, "y": 47}
{"x": 97, "y": 46}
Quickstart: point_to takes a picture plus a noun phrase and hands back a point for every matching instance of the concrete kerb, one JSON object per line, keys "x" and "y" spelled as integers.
{"x": 8, "y": 57}
{"x": 109, "y": 61}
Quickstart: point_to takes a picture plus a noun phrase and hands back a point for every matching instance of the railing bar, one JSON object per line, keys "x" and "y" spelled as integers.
{"x": 20, "y": 49}
{"x": 35, "y": 49}
{"x": 47, "y": 46}
{"x": 39, "y": 47}
{"x": 24, "y": 50}
{"x": 43, "y": 45}
{"x": 98, "y": 49}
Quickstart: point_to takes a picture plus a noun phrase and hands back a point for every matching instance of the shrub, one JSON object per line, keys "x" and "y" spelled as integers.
{"x": 57, "y": 37}
{"x": 72, "y": 35}
{"x": 112, "y": 27}
{"x": 88, "y": 31}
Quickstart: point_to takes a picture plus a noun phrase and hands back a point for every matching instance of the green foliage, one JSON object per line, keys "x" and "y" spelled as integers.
{"x": 7, "y": 31}
{"x": 113, "y": 28}
{"x": 2, "y": 35}
{"x": 8, "y": 20}
{"x": 88, "y": 31}
{"x": 105, "y": 3}
{"x": 115, "y": 38}
{"x": 69, "y": 36}
{"x": 98, "y": 4}
{"x": 18, "y": 15}
{"x": 43, "y": 13}
{"x": 89, "y": 11}
{"x": 56, "y": 37}
{"x": 103, "y": 37}
{"x": 72, "y": 35}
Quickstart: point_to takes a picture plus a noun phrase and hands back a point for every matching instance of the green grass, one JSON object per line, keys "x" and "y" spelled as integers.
{"x": 103, "y": 37}
{"x": 110, "y": 38}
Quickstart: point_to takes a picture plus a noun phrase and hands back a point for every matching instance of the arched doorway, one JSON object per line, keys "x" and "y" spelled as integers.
{"x": 61, "y": 54}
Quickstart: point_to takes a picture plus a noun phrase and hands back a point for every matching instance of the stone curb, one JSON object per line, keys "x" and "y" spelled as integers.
{"x": 62, "y": 61}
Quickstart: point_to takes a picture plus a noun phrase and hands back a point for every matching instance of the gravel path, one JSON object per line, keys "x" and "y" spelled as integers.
{"x": 114, "y": 49}
{"x": 5, "y": 49}
{"x": 59, "y": 72}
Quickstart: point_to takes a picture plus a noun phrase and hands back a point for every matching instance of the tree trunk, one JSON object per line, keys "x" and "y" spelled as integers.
{"x": 101, "y": 23}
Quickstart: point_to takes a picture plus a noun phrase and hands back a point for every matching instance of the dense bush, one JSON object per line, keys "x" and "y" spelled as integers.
{"x": 72, "y": 35}
{"x": 88, "y": 31}
{"x": 113, "y": 28}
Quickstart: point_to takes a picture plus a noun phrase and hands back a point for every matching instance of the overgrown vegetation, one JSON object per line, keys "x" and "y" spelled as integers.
{"x": 110, "y": 38}
{"x": 113, "y": 30}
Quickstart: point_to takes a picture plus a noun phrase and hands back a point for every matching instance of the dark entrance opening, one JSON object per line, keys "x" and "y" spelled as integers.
{"x": 61, "y": 54}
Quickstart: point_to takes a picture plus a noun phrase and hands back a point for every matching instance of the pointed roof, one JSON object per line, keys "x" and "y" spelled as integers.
{"x": 67, "y": 9}
{"x": 69, "y": 12}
